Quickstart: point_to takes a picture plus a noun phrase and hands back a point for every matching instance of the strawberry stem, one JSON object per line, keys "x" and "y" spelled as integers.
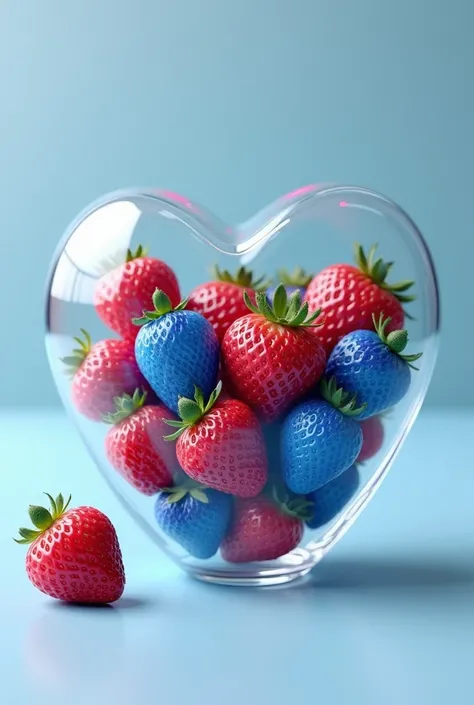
{"x": 139, "y": 252}
{"x": 284, "y": 310}
{"x": 378, "y": 271}
{"x": 180, "y": 490}
{"x": 192, "y": 410}
{"x": 79, "y": 354}
{"x": 243, "y": 277}
{"x": 397, "y": 340}
{"x": 125, "y": 406}
{"x": 298, "y": 277}
{"x": 339, "y": 399}
{"x": 295, "y": 506}
{"x": 162, "y": 305}
{"x": 43, "y": 518}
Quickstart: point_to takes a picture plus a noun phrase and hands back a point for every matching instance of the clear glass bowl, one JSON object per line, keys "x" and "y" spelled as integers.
{"x": 311, "y": 227}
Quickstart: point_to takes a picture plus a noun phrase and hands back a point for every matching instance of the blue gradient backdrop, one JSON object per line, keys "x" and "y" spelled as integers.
{"x": 203, "y": 96}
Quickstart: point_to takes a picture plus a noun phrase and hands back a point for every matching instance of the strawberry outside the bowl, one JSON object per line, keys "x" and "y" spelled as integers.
{"x": 74, "y": 554}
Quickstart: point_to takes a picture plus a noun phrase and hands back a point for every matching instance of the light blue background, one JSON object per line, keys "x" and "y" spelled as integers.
{"x": 204, "y": 97}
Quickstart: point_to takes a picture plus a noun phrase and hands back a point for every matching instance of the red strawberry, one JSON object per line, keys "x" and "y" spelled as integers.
{"x": 74, "y": 555}
{"x": 221, "y": 301}
{"x": 101, "y": 372}
{"x": 349, "y": 296}
{"x": 273, "y": 355}
{"x": 220, "y": 444}
{"x": 372, "y": 438}
{"x": 135, "y": 445}
{"x": 263, "y": 530}
{"x": 124, "y": 292}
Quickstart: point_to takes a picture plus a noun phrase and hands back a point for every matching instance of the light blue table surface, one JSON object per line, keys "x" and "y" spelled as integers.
{"x": 388, "y": 617}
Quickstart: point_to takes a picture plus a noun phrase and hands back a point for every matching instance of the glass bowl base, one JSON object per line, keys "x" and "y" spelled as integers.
{"x": 236, "y": 580}
{"x": 292, "y": 567}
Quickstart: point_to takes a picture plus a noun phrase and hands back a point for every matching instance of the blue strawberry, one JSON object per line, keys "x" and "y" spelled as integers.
{"x": 297, "y": 280}
{"x": 320, "y": 439}
{"x": 372, "y": 365}
{"x": 176, "y": 350}
{"x": 332, "y": 497}
{"x": 195, "y": 517}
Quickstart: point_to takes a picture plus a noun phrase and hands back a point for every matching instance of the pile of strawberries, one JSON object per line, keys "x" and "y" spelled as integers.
{"x": 246, "y": 407}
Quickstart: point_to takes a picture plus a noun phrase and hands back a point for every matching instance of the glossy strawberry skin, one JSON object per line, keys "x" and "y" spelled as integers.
{"x": 348, "y": 299}
{"x": 108, "y": 371}
{"x": 260, "y": 531}
{"x": 221, "y": 303}
{"x": 126, "y": 291}
{"x": 78, "y": 559}
{"x": 225, "y": 450}
{"x": 269, "y": 365}
{"x": 135, "y": 447}
{"x": 372, "y": 438}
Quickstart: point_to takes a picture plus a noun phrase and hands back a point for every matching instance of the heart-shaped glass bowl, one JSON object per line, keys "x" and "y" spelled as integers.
{"x": 311, "y": 227}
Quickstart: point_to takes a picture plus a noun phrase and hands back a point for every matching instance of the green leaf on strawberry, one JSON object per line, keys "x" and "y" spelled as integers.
{"x": 298, "y": 277}
{"x": 243, "y": 277}
{"x": 162, "y": 305}
{"x": 43, "y": 518}
{"x": 378, "y": 271}
{"x": 294, "y": 506}
{"x": 139, "y": 252}
{"x": 192, "y": 410}
{"x": 79, "y": 354}
{"x": 286, "y": 311}
{"x": 125, "y": 406}
{"x": 179, "y": 492}
{"x": 342, "y": 401}
{"x": 397, "y": 340}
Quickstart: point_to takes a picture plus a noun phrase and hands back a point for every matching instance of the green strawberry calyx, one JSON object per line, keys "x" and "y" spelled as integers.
{"x": 191, "y": 411}
{"x": 125, "y": 406}
{"x": 182, "y": 489}
{"x": 79, "y": 354}
{"x": 162, "y": 305}
{"x": 285, "y": 310}
{"x": 139, "y": 252}
{"x": 298, "y": 277}
{"x": 243, "y": 277}
{"x": 378, "y": 271}
{"x": 295, "y": 506}
{"x": 43, "y": 518}
{"x": 343, "y": 401}
{"x": 397, "y": 340}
